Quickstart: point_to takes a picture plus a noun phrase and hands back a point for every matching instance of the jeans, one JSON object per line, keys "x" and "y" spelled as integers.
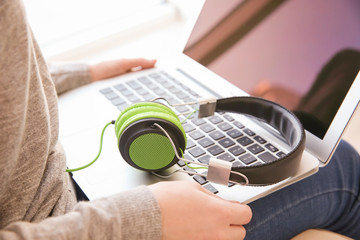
{"x": 328, "y": 200}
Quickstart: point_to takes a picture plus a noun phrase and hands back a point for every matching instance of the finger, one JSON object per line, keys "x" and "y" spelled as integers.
{"x": 240, "y": 214}
{"x": 236, "y": 232}
{"x": 138, "y": 64}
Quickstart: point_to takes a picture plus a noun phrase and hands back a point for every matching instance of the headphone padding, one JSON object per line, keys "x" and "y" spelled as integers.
{"x": 143, "y": 110}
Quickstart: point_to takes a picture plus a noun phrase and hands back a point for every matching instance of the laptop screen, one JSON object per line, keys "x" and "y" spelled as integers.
{"x": 303, "y": 54}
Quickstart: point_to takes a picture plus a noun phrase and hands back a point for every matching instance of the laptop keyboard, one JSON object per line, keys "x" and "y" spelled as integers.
{"x": 219, "y": 136}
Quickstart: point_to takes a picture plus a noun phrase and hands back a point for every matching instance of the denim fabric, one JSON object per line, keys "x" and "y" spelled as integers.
{"x": 328, "y": 200}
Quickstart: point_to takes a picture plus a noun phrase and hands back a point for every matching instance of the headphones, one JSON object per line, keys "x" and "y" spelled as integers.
{"x": 146, "y": 147}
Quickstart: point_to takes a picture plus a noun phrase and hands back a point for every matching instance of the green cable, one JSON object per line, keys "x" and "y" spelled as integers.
{"x": 182, "y": 155}
{"x": 96, "y": 158}
{"x": 188, "y": 116}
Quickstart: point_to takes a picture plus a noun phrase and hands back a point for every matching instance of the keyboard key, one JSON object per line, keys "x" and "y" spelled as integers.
{"x": 133, "y": 98}
{"x": 198, "y": 121}
{"x": 234, "y": 133}
{"x": 237, "y": 164}
{"x": 106, "y": 90}
{"x": 181, "y": 163}
{"x": 142, "y": 91}
{"x": 196, "y": 152}
{"x": 211, "y": 188}
{"x": 229, "y": 118}
{"x": 152, "y": 86}
{"x": 216, "y": 135}
{"x": 174, "y": 90}
{"x": 126, "y": 92}
{"x": 189, "y": 170}
{"x": 166, "y": 84}
{"x": 195, "y": 94}
{"x": 120, "y": 87}
{"x": 182, "y": 109}
{"x": 111, "y": 95}
{"x": 144, "y": 80}
{"x": 148, "y": 96}
{"x": 224, "y": 126}
{"x": 188, "y": 127}
{"x": 260, "y": 139}
{"x": 226, "y": 157}
{"x": 280, "y": 154}
{"x": 199, "y": 179}
{"x": 267, "y": 157}
{"x": 159, "y": 91}
{"x": 271, "y": 147}
{"x": 249, "y": 132}
{"x": 215, "y": 150}
{"x": 204, "y": 159}
{"x": 255, "y": 149}
{"x": 166, "y": 96}
{"x": 172, "y": 100}
{"x": 155, "y": 75}
{"x": 188, "y": 157}
{"x": 247, "y": 158}
{"x": 118, "y": 101}
{"x": 207, "y": 128}
{"x": 226, "y": 142}
{"x": 196, "y": 135}
{"x": 190, "y": 144}
{"x": 215, "y": 119}
{"x": 133, "y": 84}
{"x": 237, "y": 150}
{"x": 182, "y": 95}
{"x": 122, "y": 106}
{"x": 206, "y": 142}
{"x": 161, "y": 80}
{"x": 244, "y": 141}
{"x": 238, "y": 124}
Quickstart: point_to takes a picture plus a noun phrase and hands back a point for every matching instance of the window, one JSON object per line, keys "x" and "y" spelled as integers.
{"x": 68, "y": 23}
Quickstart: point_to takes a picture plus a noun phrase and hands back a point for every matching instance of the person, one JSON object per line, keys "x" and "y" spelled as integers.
{"x": 38, "y": 199}
{"x": 37, "y": 196}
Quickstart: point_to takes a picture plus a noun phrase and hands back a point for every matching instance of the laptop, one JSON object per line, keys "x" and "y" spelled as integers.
{"x": 278, "y": 50}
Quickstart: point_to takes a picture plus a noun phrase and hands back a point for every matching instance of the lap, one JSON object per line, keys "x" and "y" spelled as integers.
{"x": 329, "y": 199}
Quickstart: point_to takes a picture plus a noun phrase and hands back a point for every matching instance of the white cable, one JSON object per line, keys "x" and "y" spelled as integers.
{"x": 190, "y": 161}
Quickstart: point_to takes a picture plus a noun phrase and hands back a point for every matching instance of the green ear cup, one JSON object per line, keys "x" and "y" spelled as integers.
{"x": 145, "y": 146}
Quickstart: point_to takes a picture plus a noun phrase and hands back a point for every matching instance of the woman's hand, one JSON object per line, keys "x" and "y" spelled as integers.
{"x": 189, "y": 211}
{"x": 114, "y": 68}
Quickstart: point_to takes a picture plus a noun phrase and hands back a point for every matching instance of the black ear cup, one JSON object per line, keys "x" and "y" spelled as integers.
{"x": 142, "y": 144}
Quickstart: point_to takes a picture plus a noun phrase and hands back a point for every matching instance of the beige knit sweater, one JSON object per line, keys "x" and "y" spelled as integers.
{"x": 37, "y": 200}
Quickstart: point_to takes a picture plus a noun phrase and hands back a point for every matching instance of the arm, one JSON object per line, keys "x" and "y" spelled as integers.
{"x": 132, "y": 214}
{"x": 67, "y": 76}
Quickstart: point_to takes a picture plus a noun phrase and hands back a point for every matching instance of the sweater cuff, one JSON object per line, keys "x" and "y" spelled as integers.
{"x": 68, "y": 76}
{"x": 141, "y": 218}
{"x": 139, "y": 213}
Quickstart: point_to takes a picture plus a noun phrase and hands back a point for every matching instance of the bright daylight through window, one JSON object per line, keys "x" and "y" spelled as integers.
{"x": 79, "y": 21}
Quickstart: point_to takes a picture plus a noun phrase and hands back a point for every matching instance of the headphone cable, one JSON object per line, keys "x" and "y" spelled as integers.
{"x": 98, "y": 155}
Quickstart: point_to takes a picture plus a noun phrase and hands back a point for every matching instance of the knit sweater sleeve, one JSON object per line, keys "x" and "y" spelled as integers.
{"x": 36, "y": 197}
{"x": 129, "y": 215}
{"x": 67, "y": 76}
